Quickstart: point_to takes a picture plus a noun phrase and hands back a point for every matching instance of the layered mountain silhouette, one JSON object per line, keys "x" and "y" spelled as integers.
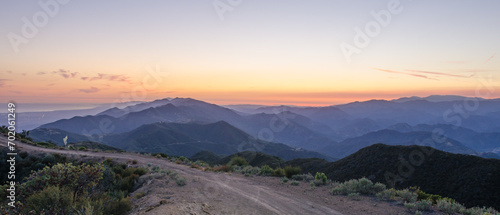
{"x": 471, "y": 125}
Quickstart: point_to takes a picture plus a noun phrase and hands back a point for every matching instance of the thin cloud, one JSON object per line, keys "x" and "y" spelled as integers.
{"x": 488, "y": 60}
{"x": 66, "y": 73}
{"x": 405, "y": 73}
{"x": 90, "y": 90}
{"x": 41, "y": 73}
{"x": 3, "y": 81}
{"x": 108, "y": 77}
{"x": 439, "y": 73}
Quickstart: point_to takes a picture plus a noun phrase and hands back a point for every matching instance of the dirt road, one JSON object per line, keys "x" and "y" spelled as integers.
{"x": 223, "y": 193}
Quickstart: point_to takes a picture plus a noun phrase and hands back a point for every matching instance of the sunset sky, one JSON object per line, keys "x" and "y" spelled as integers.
{"x": 256, "y": 52}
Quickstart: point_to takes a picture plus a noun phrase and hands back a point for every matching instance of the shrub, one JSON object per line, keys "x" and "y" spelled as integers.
{"x": 363, "y": 186}
{"x": 421, "y": 195}
{"x": 316, "y": 183}
{"x": 291, "y": 171}
{"x": 294, "y": 183}
{"x": 284, "y": 180}
{"x": 79, "y": 179}
{"x": 250, "y": 170}
{"x": 424, "y": 205}
{"x": 303, "y": 177}
{"x": 237, "y": 161}
{"x": 480, "y": 211}
{"x": 279, "y": 172}
{"x": 121, "y": 206}
{"x": 181, "y": 181}
{"x": 129, "y": 182}
{"x": 155, "y": 169}
{"x": 354, "y": 196}
{"x": 51, "y": 200}
{"x": 49, "y": 160}
{"x": 449, "y": 207}
{"x": 407, "y": 196}
{"x": 266, "y": 170}
{"x": 321, "y": 177}
{"x": 389, "y": 194}
{"x": 410, "y": 206}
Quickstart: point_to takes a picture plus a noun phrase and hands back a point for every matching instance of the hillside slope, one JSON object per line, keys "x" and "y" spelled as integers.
{"x": 186, "y": 139}
{"x": 468, "y": 179}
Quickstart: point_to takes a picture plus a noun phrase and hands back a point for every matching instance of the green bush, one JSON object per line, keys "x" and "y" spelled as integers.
{"x": 481, "y": 211}
{"x": 450, "y": 207}
{"x": 284, "y": 180}
{"x": 79, "y": 179}
{"x": 388, "y": 195}
{"x": 250, "y": 170}
{"x": 291, "y": 171}
{"x": 354, "y": 196}
{"x": 303, "y": 177}
{"x": 321, "y": 177}
{"x": 421, "y": 195}
{"x": 294, "y": 183}
{"x": 181, "y": 181}
{"x": 121, "y": 206}
{"x": 363, "y": 186}
{"x": 424, "y": 205}
{"x": 279, "y": 172}
{"x": 407, "y": 195}
{"x": 237, "y": 161}
{"x": 266, "y": 170}
{"x": 51, "y": 200}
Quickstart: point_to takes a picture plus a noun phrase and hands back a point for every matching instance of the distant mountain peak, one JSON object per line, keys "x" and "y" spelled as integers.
{"x": 435, "y": 98}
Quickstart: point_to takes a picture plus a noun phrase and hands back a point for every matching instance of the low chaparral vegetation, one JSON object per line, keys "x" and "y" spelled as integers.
{"x": 413, "y": 198}
{"x": 58, "y": 185}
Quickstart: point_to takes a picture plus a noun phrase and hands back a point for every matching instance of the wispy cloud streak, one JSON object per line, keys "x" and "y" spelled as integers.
{"x": 405, "y": 73}
{"x": 439, "y": 73}
{"x": 488, "y": 60}
{"x": 90, "y": 90}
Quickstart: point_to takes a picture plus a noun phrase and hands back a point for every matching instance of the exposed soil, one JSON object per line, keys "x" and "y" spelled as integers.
{"x": 226, "y": 193}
